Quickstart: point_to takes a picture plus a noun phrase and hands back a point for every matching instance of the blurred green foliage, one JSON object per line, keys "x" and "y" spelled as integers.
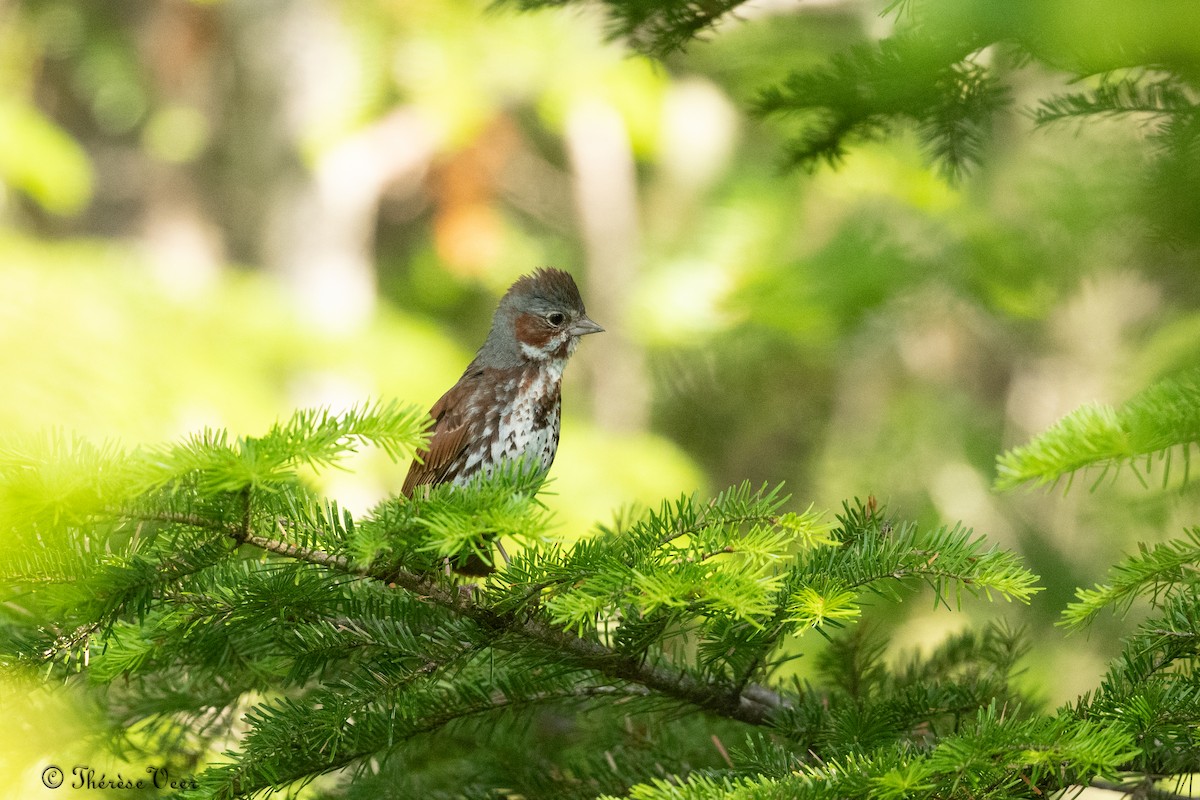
{"x": 875, "y": 330}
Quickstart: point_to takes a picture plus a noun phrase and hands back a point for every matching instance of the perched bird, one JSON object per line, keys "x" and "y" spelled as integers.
{"x": 506, "y": 405}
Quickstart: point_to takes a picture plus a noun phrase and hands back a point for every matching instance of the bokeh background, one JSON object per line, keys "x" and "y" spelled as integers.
{"x": 214, "y": 212}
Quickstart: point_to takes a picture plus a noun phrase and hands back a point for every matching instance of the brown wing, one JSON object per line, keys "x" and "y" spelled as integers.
{"x": 448, "y": 441}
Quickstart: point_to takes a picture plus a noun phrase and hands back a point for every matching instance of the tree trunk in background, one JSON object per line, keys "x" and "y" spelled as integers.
{"x": 180, "y": 46}
{"x": 254, "y": 163}
{"x": 314, "y": 228}
{"x": 327, "y": 254}
{"x": 606, "y": 201}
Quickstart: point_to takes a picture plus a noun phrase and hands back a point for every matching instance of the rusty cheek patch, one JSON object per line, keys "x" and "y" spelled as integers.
{"x": 532, "y": 330}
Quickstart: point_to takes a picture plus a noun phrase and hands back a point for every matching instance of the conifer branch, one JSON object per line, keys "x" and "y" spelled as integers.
{"x": 1149, "y": 573}
{"x": 242, "y": 535}
{"x": 1160, "y": 420}
{"x": 1138, "y": 95}
{"x": 233, "y": 782}
{"x": 245, "y": 580}
{"x": 308, "y": 554}
{"x": 753, "y": 704}
{"x": 658, "y": 28}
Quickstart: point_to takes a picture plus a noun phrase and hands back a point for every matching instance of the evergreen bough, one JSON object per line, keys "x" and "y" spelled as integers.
{"x": 944, "y": 71}
{"x": 211, "y": 596}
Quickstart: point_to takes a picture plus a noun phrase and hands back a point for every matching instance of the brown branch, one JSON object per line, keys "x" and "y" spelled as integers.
{"x": 753, "y": 705}
{"x": 750, "y": 704}
{"x": 312, "y": 556}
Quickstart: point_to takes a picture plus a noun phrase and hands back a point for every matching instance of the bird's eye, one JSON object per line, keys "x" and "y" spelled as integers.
{"x": 556, "y": 318}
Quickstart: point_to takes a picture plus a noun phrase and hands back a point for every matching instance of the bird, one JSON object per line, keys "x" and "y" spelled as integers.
{"x": 506, "y": 406}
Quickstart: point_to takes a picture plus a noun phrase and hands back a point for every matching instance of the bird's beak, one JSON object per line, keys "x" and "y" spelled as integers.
{"x": 583, "y": 326}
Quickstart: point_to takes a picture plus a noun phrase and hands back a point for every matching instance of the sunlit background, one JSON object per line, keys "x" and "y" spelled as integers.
{"x": 214, "y": 212}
